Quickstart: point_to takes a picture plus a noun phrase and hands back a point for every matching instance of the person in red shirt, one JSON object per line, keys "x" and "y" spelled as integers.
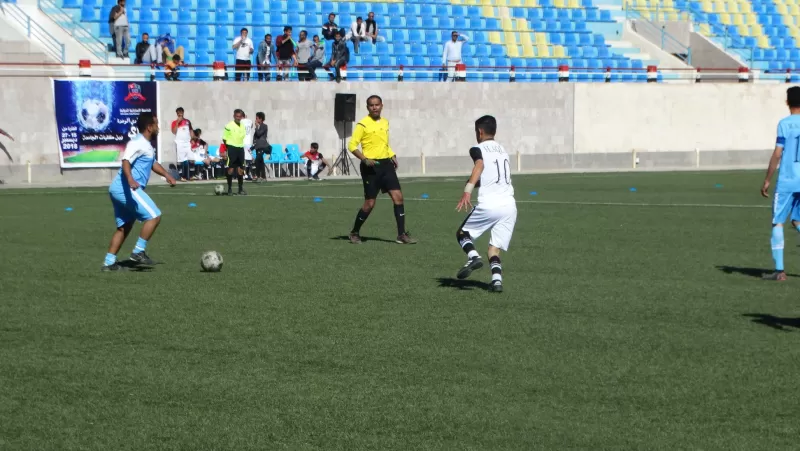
{"x": 315, "y": 162}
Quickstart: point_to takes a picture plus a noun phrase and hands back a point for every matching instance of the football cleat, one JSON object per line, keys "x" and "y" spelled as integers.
{"x": 114, "y": 267}
{"x": 141, "y": 258}
{"x": 405, "y": 239}
{"x": 471, "y": 265}
{"x": 355, "y": 238}
{"x": 242, "y": 192}
{"x": 496, "y": 287}
{"x": 777, "y": 275}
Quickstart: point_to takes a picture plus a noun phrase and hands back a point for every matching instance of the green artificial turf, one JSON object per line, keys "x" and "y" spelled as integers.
{"x": 631, "y": 320}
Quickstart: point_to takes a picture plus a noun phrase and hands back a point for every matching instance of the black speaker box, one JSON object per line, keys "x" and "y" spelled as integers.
{"x": 345, "y": 108}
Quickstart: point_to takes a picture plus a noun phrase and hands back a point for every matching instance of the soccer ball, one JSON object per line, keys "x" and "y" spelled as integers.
{"x": 94, "y": 115}
{"x": 211, "y": 261}
{"x": 219, "y": 190}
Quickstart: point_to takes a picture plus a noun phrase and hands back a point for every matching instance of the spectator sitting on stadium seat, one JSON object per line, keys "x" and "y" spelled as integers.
{"x": 330, "y": 28}
{"x": 200, "y": 152}
{"x": 168, "y": 49}
{"x": 264, "y": 58}
{"x": 142, "y": 48}
{"x": 286, "y": 53}
{"x": 317, "y": 57}
{"x": 340, "y": 56}
{"x": 358, "y": 33}
{"x": 372, "y": 29}
{"x": 172, "y": 68}
{"x": 315, "y": 162}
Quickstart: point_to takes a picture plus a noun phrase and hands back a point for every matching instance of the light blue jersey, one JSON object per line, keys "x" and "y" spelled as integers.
{"x": 789, "y": 140}
{"x": 131, "y": 205}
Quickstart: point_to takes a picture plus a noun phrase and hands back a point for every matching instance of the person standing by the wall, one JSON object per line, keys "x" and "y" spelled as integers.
{"x": 452, "y": 53}
{"x": 262, "y": 146}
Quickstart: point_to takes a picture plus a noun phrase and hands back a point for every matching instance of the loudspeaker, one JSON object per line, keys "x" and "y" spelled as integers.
{"x": 345, "y": 108}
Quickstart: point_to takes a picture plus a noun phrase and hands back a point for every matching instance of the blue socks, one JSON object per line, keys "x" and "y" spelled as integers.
{"x": 110, "y": 259}
{"x": 141, "y": 245}
{"x": 777, "y": 247}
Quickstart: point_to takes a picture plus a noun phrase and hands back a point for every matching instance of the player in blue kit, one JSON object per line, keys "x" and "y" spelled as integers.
{"x": 786, "y": 198}
{"x": 130, "y": 201}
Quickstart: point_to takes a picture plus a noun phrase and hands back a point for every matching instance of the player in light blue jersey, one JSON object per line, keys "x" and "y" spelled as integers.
{"x": 786, "y": 198}
{"x": 130, "y": 201}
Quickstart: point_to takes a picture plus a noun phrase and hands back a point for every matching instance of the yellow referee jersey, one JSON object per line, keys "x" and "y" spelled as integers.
{"x": 234, "y": 134}
{"x": 374, "y": 138}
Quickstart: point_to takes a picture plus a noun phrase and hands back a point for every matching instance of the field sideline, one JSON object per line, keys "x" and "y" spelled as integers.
{"x": 631, "y": 320}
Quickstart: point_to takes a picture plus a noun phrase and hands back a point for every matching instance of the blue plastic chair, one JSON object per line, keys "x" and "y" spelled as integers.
{"x": 88, "y": 13}
{"x": 276, "y": 158}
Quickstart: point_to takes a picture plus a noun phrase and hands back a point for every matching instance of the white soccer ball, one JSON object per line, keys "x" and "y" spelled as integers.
{"x": 219, "y": 190}
{"x": 94, "y": 115}
{"x": 211, "y": 261}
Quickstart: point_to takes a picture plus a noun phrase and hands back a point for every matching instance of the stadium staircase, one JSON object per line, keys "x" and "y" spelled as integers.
{"x": 534, "y": 36}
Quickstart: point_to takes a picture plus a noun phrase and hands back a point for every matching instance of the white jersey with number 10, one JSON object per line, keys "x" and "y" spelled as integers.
{"x": 495, "y": 187}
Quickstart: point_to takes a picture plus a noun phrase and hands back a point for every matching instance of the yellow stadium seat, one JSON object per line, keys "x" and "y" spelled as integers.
{"x": 510, "y": 38}
{"x": 515, "y": 3}
{"x": 574, "y": 4}
{"x": 705, "y": 29}
{"x": 541, "y": 38}
{"x": 673, "y": 16}
{"x": 485, "y": 2}
{"x": 746, "y": 8}
{"x": 512, "y": 51}
{"x": 743, "y": 30}
{"x": 737, "y": 19}
{"x": 756, "y": 30}
{"x": 725, "y": 18}
{"x": 525, "y": 39}
{"x": 781, "y": 8}
{"x": 787, "y": 20}
{"x": 558, "y": 52}
{"x": 763, "y": 42}
{"x": 542, "y": 51}
{"x": 495, "y": 37}
{"x": 528, "y": 51}
{"x": 559, "y": 4}
{"x": 750, "y": 19}
{"x": 794, "y": 10}
{"x": 707, "y": 6}
{"x": 506, "y": 24}
{"x": 487, "y": 11}
{"x": 733, "y": 8}
{"x": 531, "y": 4}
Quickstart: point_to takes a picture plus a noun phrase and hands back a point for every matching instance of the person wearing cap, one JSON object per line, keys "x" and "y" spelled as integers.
{"x": 329, "y": 29}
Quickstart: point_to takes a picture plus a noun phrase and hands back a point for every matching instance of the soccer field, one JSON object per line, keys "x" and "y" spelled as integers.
{"x": 629, "y": 320}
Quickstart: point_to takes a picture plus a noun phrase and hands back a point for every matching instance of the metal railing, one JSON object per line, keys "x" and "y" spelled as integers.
{"x": 35, "y": 32}
{"x": 67, "y": 23}
{"x": 668, "y": 43}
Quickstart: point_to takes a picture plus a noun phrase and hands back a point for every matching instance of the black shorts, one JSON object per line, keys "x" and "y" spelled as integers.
{"x": 235, "y": 157}
{"x": 379, "y": 178}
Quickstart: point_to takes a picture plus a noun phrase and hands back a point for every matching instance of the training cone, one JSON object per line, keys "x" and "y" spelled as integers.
{"x": 192, "y": 205}
{"x": 718, "y": 185}
{"x": 633, "y": 190}
{"x": 534, "y": 193}
{"x": 425, "y": 196}
{"x": 68, "y": 209}
{"x": 317, "y": 199}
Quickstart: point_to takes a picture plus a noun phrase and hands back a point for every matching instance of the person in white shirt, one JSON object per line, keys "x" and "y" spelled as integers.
{"x": 452, "y": 53}
{"x": 358, "y": 33}
{"x": 122, "y": 35}
{"x": 497, "y": 208}
{"x": 183, "y": 131}
{"x": 244, "y": 55}
{"x": 248, "y": 145}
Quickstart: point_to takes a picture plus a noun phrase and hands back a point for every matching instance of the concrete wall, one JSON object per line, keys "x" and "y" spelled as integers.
{"x": 706, "y": 54}
{"x": 554, "y": 126}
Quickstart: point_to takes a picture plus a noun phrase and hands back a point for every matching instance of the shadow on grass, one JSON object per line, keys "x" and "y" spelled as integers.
{"x": 774, "y": 322}
{"x": 135, "y": 267}
{"x": 466, "y": 284}
{"x": 750, "y": 272}
{"x": 363, "y": 238}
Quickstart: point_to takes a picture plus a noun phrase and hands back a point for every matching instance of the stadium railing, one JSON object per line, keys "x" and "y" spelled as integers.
{"x": 35, "y": 32}
{"x": 563, "y": 73}
{"x": 65, "y": 20}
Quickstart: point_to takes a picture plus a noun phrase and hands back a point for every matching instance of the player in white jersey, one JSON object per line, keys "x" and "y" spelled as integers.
{"x": 496, "y": 210}
{"x": 183, "y": 131}
{"x": 248, "y": 144}
{"x": 128, "y": 196}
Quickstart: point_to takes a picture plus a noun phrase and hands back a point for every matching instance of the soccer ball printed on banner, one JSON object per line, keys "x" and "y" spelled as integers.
{"x": 211, "y": 261}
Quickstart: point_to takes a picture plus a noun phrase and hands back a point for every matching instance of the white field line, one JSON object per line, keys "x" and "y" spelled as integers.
{"x": 453, "y": 201}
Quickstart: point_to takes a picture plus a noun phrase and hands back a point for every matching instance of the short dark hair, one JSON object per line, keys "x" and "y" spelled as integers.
{"x": 146, "y": 34}
{"x": 260, "y": 115}
{"x": 374, "y": 96}
{"x": 314, "y": 146}
{"x": 145, "y": 120}
{"x": 198, "y": 132}
{"x": 287, "y": 28}
{"x": 238, "y": 110}
{"x": 176, "y": 57}
{"x": 179, "y": 109}
{"x": 488, "y": 124}
{"x": 337, "y": 32}
{"x": 267, "y": 36}
{"x": 315, "y": 36}
{"x": 243, "y": 29}
{"x": 304, "y": 31}
{"x": 793, "y": 97}
{"x": 359, "y": 18}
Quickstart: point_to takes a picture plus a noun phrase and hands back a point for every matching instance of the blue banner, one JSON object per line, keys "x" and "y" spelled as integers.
{"x": 97, "y": 118}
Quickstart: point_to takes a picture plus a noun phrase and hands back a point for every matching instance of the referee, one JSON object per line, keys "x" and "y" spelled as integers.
{"x": 233, "y": 137}
{"x": 378, "y": 165}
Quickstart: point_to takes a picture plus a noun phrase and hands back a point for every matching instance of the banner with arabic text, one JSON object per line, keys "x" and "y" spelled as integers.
{"x": 96, "y": 118}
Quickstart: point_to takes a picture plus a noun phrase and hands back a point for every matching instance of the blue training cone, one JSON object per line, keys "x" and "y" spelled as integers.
{"x": 633, "y": 190}
{"x": 534, "y": 193}
{"x": 718, "y": 185}
{"x": 192, "y": 205}
{"x": 317, "y": 199}
{"x": 68, "y": 209}
{"x": 425, "y": 195}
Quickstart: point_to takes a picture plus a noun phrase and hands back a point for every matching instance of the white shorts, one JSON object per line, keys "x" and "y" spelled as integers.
{"x": 184, "y": 151}
{"x": 499, "y": 219}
